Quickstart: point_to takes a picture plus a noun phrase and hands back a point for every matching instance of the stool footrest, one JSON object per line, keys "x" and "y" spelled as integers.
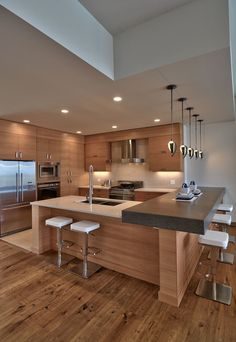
{"x": 232, "y": 238}
{"x": 225, "y": 258}
{"x": 214, "y": 291}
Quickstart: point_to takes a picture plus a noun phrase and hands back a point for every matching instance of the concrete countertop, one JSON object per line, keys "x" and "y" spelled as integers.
{"x": 156, "y": 189}
{"x": 165, "y": 212}
{"x": 73, "y": 203}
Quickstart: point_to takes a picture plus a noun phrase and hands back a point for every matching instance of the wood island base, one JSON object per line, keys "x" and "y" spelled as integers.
{"x": 163, "y": 257}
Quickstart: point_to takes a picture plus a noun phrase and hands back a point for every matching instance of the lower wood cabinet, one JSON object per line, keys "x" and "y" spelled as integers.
{"x": 147, "y": 195}
{"x": 103, "y": 193}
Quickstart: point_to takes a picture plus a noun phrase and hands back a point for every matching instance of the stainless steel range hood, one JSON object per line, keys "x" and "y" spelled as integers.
{"x": 128, "y": 152}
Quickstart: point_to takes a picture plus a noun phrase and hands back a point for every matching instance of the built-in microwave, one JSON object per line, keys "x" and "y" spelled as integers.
{"x": 48, "y": 171}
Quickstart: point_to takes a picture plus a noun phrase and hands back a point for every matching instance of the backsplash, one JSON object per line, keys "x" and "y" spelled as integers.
{"x": 137, "y": 172}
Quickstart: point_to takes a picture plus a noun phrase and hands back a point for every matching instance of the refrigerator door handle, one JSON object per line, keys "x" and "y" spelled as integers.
{"x": 21, "y": 187}
{"x": 17, "y": 189}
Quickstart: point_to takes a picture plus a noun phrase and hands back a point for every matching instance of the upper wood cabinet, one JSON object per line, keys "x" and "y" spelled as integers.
{"x": 160, "y": 158}
{"x": 17, "y": 141}
{"x": 48, "y": 149}
{"x": 98, "y": 154}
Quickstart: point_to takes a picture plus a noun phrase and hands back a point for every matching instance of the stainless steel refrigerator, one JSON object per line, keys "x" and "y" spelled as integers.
{"x": 17, "y": 190}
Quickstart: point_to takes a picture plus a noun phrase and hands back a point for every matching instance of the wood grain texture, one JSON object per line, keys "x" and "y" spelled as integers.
{"x": 147, "y": 195}
{"x": 41, "y": 303}
{"x": 103, "y": 193}
{"x": 126, "y": 248}
{"x": 179, "y": 255}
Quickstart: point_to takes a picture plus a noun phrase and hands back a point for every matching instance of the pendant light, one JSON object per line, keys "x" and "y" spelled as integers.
{"x": 196, "y": 152}
{"x": 200, "y": 135}
{"x": 171, "y": 143}
{"x": 183, "y": 148}
{"x": 190, "y": 149}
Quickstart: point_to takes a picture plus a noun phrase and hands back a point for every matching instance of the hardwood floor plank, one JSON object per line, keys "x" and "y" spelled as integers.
{"x": 40, "y": 302}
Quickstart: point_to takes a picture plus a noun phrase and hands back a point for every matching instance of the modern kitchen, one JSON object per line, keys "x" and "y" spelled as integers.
{"x": 117, "y": 182}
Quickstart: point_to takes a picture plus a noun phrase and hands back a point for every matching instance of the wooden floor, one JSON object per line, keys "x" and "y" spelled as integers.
{"x": 22, "y": 239}
{"x": 38, "y": 302}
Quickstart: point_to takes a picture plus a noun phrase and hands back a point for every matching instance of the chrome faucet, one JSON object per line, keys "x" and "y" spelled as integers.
{"x": 90, "y": 196}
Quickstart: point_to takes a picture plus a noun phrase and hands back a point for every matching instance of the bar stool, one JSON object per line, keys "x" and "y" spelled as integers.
{"x": 210, "y": 289}
{"x": 224, "y": 221}
{"x": 227, "y": 208}
{"x": 60, "y": 222}
{"x": 85, "y": 268}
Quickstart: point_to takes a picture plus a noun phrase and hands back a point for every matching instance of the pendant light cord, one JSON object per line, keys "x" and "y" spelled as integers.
{"x": 171, "y": 100}
{"x": 190, "y": 128}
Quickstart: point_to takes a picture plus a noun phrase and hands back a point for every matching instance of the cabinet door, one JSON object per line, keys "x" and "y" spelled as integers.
{"x": 83, "y": 191}
{"x": 8, "y": 145}
{"x": 104, "y": 193}
{"x": 160, "y": 158}
{"x": 42, "y": 149}
{"x": 27, "y": 147}
{"x": 98, "y": 155}
{"x": 54, "y": 150}
{"x": 147, "y": 195}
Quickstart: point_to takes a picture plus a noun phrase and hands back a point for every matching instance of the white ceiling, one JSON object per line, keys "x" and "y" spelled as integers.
{"x": 119, "y": 15}
{"x": 39, "y": 77}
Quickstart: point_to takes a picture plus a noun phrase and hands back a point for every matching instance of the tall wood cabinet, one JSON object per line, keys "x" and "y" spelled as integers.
{"x": 72, "y": 164}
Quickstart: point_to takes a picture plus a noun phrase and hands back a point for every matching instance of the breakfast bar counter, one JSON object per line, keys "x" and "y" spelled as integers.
{"x": 145, "y": 244}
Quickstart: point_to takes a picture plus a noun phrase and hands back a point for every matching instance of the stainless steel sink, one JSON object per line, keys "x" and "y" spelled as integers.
{"x": 103, "y": 202}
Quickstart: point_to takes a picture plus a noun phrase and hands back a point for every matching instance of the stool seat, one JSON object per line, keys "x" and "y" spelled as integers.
{"x": 225, "y": 207}
{"x": 222, "y": 219}
{"x": 84, "y": 226}
{"x": 214, "y": 238}
{"x": 58, "y": 221}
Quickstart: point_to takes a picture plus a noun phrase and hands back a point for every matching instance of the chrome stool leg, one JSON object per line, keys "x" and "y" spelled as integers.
{"x": 85, "y": 268}
{"x": 211, "y": 289}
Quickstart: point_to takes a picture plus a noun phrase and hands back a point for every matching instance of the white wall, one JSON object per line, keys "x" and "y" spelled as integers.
{"x": 232, "y": 28}
{"x": 70, "y": 25}
{"x": 192, "y": 30}
{"x": 218, "y": 168}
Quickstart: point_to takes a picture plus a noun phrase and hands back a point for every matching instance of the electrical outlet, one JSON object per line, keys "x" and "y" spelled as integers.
{"x": 172, "y": 182}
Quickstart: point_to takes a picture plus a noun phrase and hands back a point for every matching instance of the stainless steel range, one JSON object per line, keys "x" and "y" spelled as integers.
{"x": 124, "y": 190}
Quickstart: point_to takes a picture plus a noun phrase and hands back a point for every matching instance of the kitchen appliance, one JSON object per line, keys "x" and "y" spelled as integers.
{"x": 48, "y": 190}
{"x": 124, "y": 190}
{"x": 128, "y": 152}
{"x": 48, "y": 172}
{"x": 17, "y": 190}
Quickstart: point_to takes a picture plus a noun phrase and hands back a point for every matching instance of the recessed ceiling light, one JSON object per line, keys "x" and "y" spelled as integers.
{"x": 26, "y": 121}
{"x": 157, "y": 120}
{"x": 64, "y": 111}
{"x": 78, "y": 132}
{"x": 114, "y": 126}
{"x": 117, "y": 98}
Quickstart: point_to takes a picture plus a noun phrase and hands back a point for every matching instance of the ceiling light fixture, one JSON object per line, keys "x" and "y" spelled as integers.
{"x": 157, "y": 120}
{"x": 26, "y": 121}
{"x": 117, "y": 98}
{"x": 196, "y": 152}
{"x": 183, "y": 148}
{"x": 190, "y": 149}
{"x": 114, "y": 126}
{"x": 171, "y": 143}
{"x": 78, "y": 132}
{"x": 200, "y": 134}
{"x": 64, "y": 111}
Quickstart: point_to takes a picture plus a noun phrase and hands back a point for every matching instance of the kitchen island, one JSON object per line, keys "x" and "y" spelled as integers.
{"x": 163, "y": 256}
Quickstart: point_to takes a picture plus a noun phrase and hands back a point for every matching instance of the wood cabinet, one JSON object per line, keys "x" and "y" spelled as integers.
{"x": 17, "y": 141}
{"x": 147, "y": 195}
{"x": 72, "y": 165}
{"x": 103, "y": 193}
{"x": 98, "y": 154}
{"x": 48, "y": 149}
{"x": 160, "y": 158}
